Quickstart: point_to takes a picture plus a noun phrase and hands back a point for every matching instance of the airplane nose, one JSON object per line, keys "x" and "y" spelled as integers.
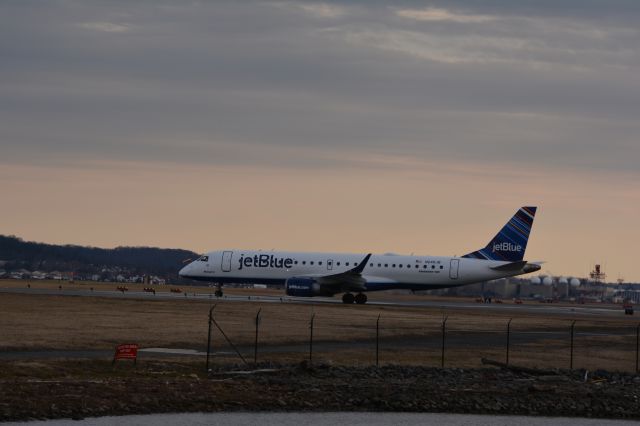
{"x": 183, "y": 272}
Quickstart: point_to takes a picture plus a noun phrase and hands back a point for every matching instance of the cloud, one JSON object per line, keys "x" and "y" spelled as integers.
{"x": 435, "y": 14}
{"x": 107, "y": 27}
{"x": 233, "y": 82}
{"x": 447, "y": 49}
{"x": 315, "y": 10}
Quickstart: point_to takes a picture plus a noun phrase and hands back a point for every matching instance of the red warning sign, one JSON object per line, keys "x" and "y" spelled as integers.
{"x": 126, "y": 351}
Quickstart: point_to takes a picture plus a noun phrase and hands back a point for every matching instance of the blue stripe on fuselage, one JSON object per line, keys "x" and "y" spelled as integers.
{"x": 370, "y": 286}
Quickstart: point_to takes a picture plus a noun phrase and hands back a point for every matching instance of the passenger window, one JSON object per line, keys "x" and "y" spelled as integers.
{"x": 379, "y": 265}
{"x": 320, "y": 263}
{"x": 311, "y": 262}
{"x": 433, "y": 266}
{"x": 393, "y": 265}
{"x": 295, "y": 262}
{"x": 304, "y": 262}
{"x": 338, "y": 263}
{"x": 386, "y": 265}
{"x": 399, "y": 265}
{"x": 441, "y": 267}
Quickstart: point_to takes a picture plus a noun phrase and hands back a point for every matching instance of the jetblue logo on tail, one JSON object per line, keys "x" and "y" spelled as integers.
{"x": 505, "y": 246}
{"x": 511, "y": 242}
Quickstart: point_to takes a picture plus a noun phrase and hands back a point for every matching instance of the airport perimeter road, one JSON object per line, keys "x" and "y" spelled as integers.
{"x": 530, "y": 308}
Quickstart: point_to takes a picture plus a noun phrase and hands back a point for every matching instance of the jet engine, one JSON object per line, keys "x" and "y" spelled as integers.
{"x": 302, "y": 287}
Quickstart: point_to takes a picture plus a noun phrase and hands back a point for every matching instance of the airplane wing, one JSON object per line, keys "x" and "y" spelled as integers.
{"x": 350, "y": 280}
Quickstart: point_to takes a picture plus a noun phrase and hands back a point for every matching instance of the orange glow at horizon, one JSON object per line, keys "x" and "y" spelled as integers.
{"x": 399, "y": 206}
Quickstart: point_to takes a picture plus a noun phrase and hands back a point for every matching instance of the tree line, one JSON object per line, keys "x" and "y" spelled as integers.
{"x": 17, "y": 253}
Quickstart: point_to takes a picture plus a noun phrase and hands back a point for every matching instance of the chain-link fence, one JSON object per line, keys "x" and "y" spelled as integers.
{"x": 377, "y": 337}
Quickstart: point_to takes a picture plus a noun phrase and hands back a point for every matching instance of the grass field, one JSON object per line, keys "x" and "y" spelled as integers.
{"x": 342, "y": 334}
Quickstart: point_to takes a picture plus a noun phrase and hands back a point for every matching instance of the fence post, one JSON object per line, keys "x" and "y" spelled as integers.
{"x": 311, "y": 338}
{"x": 508, "y": 338}
{"x": 255, "y": 348}
{"x": 571, "y": 355}
{"x": 378, "y": 341}
{"x": 444, "y": 325}
{"x": 209, "y": 336}
{"x": 637, "y": 345}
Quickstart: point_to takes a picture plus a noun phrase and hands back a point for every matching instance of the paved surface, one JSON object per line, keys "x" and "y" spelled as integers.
{"x": 531, "y": 307}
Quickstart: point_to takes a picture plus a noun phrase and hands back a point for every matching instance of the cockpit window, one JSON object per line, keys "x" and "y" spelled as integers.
{"x": 204, "y": 259}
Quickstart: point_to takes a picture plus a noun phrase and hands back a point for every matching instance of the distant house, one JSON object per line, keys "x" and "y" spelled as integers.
{"x": 22, "y": 274}
{"x": 157, "y": 280}
{"x": 55, "y": 275}
{"x": 38, "y": 275}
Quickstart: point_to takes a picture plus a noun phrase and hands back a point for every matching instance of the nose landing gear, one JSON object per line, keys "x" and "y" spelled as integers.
{"x": 218, "y": 292}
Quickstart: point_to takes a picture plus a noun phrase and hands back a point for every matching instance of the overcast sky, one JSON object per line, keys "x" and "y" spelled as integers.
{"x": 357, "y": 126}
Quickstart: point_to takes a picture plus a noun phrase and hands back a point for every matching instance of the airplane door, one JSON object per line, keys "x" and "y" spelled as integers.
{"x": 453, "y": 269}
{"x": 226, "y": 261}
{"x": 329, "y": 264}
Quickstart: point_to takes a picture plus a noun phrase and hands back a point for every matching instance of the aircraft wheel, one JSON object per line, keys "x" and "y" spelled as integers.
{"x": 361, "y": 298}
{"x": 218, "y": 293}
{"x": 347, "y": 298}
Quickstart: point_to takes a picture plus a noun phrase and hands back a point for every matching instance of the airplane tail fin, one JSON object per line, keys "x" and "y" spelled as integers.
{"x": 511, "y": 242}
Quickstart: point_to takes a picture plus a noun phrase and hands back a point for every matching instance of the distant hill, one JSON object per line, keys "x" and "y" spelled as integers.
{"x": 17, "y": 254}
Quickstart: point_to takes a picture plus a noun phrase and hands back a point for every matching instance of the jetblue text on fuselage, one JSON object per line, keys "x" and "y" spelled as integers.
{"x": 505, "y": 246}
{"x": 264, "y": 261}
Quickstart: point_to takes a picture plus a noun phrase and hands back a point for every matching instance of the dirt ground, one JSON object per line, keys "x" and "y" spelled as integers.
{"x": 342, "y": 334}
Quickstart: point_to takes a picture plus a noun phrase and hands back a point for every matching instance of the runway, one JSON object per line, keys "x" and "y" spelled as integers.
{"x": 527, "y": 307}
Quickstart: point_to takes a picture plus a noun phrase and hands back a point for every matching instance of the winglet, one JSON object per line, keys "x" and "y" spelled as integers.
{"x": 358, "y": 269}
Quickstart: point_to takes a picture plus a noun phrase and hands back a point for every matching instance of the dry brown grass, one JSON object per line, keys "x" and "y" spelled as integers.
{"x": 408, "y": 334}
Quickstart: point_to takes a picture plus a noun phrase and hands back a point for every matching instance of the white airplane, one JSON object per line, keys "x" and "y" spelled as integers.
{"x": 306, "y": 274}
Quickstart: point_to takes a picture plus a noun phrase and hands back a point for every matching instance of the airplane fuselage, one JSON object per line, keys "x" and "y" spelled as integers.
{"x": 382, "y": 272}
{"x": 307, "y": 274}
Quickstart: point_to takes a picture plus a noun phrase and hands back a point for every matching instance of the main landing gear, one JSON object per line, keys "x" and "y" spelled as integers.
{"x": 359, "y": 298}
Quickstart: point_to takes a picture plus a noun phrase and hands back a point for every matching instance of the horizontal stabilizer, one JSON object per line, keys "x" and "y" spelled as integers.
{"x": 513, "y": 266}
